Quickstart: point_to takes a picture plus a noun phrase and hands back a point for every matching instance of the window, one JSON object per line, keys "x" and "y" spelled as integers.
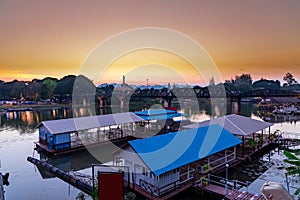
{"x": 128, "y": 163}
{"x": 144, "y": 171}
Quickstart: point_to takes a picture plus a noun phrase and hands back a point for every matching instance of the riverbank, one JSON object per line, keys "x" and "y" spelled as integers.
{"x": 23, "y": 107}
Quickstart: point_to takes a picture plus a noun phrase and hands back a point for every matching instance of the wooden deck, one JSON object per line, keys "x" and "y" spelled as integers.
{"x": 79, "y": 147}
{"x": 232, "y": 194}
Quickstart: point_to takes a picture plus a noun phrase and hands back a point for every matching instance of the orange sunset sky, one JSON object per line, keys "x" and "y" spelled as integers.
{"x": 55, "y": 37}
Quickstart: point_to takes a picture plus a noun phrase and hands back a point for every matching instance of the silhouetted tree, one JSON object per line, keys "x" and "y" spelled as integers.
{"x": 243, "y": 83}
{"x": 17, "y": 89}
{"x": 290, "y": 80}
{"x": 244, "y": 78}
{"x": 267, "y": 84}
{"x": 34, "y": 89}
{"x": 65, "y": 85}
{"x": 50, "y": 86}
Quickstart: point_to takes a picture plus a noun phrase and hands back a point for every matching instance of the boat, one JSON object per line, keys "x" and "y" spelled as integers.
{"x": 18, "y": 109}
{"x": 286, "y": 110}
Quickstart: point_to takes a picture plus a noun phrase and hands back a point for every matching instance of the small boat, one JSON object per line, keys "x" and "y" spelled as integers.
{"x": 286, "y": 110}
{"x": 19, "y": 109}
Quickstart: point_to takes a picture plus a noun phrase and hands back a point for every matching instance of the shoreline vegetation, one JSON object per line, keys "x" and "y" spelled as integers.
{"x": 62, "y": 90}
{"x": 7, "y": 107}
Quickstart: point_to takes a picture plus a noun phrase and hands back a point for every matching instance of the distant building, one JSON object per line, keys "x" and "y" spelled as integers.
{"x": 124, "y": 87}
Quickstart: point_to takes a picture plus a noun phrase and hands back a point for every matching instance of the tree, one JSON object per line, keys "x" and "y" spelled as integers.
{"x": 294, "y": 168}
{"x": 289, "y": 79}
{"x": 17, "y": 89}
{"x": 34, "y": 90}
{"x": 65, "y": 85}
{"x": 244, "y": 78}
{"x": 242, "y": 83}
{"x": 267, "y": 84}
{"x": 50, "y": 86}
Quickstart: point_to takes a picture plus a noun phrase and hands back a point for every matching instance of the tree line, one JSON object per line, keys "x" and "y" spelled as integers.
{"x": 47, "y": 88}
{"x": 244, "y": 83}
{"x": 62, "y": 89}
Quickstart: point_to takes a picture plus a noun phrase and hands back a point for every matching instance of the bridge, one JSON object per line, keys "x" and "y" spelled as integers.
{"x": 203, "y": 92}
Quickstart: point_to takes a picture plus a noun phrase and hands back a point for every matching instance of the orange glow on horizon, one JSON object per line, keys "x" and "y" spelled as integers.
{"x": 260, "y": 38}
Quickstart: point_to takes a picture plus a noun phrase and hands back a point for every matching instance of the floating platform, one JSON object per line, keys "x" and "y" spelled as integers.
{"x": 80, "y": 147}
{"x": 232, "y": 194}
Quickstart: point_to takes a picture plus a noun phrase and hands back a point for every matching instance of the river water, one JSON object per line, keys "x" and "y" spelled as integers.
{"x": 27, "y": 182}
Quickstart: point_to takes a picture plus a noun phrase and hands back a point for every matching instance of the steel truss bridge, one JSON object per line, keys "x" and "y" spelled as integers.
{"x": 209, "y": 92}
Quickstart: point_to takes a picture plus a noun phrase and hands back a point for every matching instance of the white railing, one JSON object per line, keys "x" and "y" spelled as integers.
{"x": 222, "y": 182}
{"x": 189, "y": 175}
{"x": 212, "y": 164}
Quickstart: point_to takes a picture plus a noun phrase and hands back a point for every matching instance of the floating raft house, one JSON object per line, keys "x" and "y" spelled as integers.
{"x": 56, "y": 135}
{"x": 158, "y": 114}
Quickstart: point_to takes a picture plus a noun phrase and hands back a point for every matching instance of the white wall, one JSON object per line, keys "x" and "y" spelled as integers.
{"x": 141, "y": 171}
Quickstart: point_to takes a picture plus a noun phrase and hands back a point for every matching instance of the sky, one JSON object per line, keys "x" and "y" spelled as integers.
{"x": 56, "y": 38}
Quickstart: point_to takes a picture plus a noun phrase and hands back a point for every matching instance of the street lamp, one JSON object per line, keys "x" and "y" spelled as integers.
{"x": 226, "y": 186}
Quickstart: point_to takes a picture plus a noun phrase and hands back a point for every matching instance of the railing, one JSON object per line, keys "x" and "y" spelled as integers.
{"x": 148, "y": 187}
{"x": 158, "y": 191}
{"x": 189, "y": 176}
{"x": 232, "y": 184}
{"x": 212, "y": 164}
{"x": 221, "y": 181}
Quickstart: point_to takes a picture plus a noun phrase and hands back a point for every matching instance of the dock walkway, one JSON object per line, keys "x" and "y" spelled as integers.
{"x": 232, "y": 194}
{"x": 164, "y": 197}
{"x": 72, "y": 179}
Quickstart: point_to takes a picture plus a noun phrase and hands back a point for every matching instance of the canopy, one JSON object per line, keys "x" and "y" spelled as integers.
{"x": 84, "y": 123}
{"x": 158, "y": 114}
{"x": 236, "y": 124}
{"x": 170, "y": 151}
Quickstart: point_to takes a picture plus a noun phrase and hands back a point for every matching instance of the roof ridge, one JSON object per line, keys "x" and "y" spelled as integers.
{"x": 234, "y": 125}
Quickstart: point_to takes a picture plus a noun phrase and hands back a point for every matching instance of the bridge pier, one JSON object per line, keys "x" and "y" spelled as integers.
{"x": 102, "y": 101}
{"x": 168, "y": 102}
{"x": 124, "y": 103}
{"x": 236, "y": 105}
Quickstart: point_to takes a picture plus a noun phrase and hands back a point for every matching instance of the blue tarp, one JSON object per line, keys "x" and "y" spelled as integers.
{"x": 166, "y": 152}
{"x": 158, "y": 114}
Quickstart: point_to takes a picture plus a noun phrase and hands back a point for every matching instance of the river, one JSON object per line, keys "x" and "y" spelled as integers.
{"x": 17, "y": 134}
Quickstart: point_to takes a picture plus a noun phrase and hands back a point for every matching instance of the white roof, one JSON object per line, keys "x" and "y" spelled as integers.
{"x": 236, "y": 124}
{"x": 84, "y": 123}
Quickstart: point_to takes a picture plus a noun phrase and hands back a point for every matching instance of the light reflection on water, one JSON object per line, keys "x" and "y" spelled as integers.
{"x": 17, "y": 135}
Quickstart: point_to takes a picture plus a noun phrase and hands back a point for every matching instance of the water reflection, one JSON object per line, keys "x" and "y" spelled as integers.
{"x": 26, "y": 121}
{"x": 81, "y": 159}
{"x": 26, "y": 182}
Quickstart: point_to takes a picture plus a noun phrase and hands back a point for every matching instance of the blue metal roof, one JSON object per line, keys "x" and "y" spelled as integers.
{"x": 158, "y": 114}
{"x": 166, "y": 152}
{"x": 152, "y": 112}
